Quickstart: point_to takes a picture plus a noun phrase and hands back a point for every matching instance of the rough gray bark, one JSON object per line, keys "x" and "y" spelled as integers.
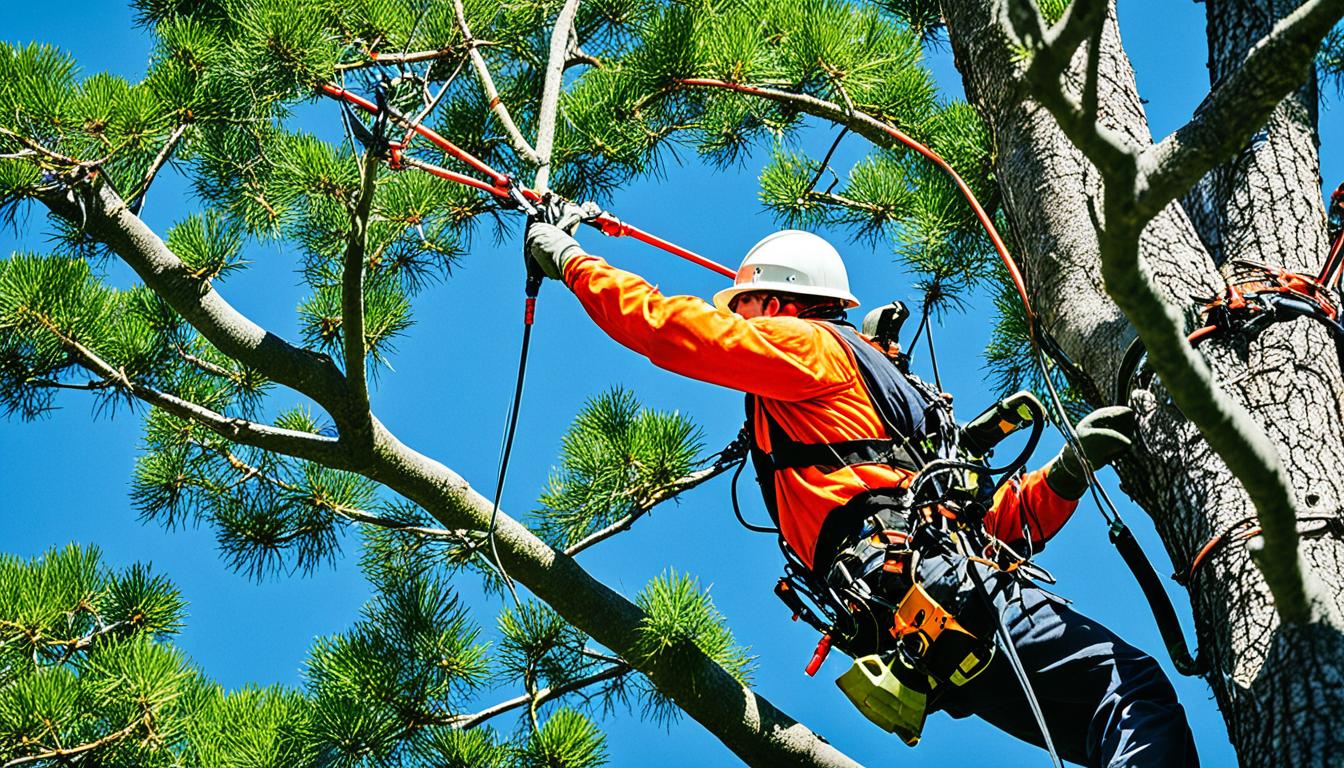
{"x": 1272, "y": 683}
{"x": 1264, "y": 204}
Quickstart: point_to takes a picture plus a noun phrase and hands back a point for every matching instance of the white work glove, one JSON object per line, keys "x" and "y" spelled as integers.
{"x": 552, "y": 246}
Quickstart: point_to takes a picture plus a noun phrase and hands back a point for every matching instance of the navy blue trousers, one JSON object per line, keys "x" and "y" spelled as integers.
{"x": 1106, "y": 703}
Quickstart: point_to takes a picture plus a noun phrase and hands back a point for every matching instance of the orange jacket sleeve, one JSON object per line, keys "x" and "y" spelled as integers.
{"x": 782, "y": 358}
{"x": 1027, "y": 508}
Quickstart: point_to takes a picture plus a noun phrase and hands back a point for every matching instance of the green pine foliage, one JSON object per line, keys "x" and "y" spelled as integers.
{"x": 1329, "y": 62}
{"x": 566, "y": 740}
{"x": 539, "y": 648}
{"x": 88, "y": 675}
{"x": 453, "y": 748}
{"x": 85, "y": 665}
{"x": 617, "y": 459}
{"x": 681, "y": 619}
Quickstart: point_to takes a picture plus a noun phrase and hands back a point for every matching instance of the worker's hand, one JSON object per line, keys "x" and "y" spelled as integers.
{"x": 552, "y": 247}
{"x": 1104, "y": 434}
{"x": 568, "y": 216}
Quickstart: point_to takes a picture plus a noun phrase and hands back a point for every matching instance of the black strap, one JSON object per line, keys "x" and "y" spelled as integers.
{"x": 1159, "y": 602}
{"x": 829, "y": 457}
{"x": 844, "y": 525}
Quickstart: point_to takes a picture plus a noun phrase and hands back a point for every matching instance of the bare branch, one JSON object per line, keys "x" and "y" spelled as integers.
{"x": 550, "y": 92}
{"x": 467, "y": 722}
{"x": 33, "y": 146}
{"x": 360, "y": 516}
{"x": 1238, "y": 106}
{"x": 288, "y": 441}
{"x": 415, "y": 57}
{"x": 352, "y": 303}
{"x": 519, "y": 143}
{"x": 645, "y": 505}
{"x": 209, "y": 367}
{"x": 1051, "y": 56}
{"x": 159, "y": 161}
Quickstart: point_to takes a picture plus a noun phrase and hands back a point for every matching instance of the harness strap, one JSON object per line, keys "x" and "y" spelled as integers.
{"x": 828, "y": 457}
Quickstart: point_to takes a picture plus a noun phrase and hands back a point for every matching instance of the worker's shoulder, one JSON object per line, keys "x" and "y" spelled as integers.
{"x": 797, "y": 332}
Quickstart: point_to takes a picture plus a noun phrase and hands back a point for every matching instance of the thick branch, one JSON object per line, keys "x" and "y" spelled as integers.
{"x": 352, "y": 304}
{"x": 467, "y": 722}
{"x": 749, "y": 725}
{"x": 1238, "y": 106}
{"x": 1229, "y": 429}
{"x": 105, "y": 216}
{"x": 1045, "y": 74}
{"x": 519, "y": 143}
{"x": 550, "y": 92}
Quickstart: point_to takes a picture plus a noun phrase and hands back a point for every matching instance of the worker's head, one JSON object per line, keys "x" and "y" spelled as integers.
{"x": 789, "y": 273}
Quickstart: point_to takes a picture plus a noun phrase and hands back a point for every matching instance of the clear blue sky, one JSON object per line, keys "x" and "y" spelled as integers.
{"x": 66, "y": 477}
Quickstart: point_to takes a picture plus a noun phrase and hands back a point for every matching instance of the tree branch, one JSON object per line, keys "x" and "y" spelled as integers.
{"x": 64, "y": 755}
{"x": 415, "y": 57}
{"x": 1238, "y": 106}
{"x": 33, "y": 146}
{"x": 467, "y": 722}
{"x": 1051, "y": 54}
{"x": 294, "y": 443}
{"x": 550, "y": 92}
{"x": 656, "y": 497}
{"x": 352, "y": 305}
{"x": 208, "y": 367}
{"x": 157, "y": 164}
{"x": 519, "y": 143}
{"x": 104, "y": 215}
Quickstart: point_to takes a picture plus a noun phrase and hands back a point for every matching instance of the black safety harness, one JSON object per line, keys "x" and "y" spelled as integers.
{"x": 862, "y": 593}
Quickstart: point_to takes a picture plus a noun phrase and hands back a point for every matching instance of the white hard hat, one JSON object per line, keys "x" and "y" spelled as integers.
{"x": 791, "y": 261}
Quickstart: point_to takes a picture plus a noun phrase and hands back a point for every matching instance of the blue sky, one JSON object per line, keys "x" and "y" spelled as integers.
{"x": 66, "y": 477}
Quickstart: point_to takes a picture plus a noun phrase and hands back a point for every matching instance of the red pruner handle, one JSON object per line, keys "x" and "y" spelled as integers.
{"x": 819, "y": 655}
{"x": 610, "y": 225}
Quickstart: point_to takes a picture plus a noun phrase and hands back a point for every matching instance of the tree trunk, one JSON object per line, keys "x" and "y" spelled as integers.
{"x": 1264, "y": 204}
{"x": 1281, "y": 689}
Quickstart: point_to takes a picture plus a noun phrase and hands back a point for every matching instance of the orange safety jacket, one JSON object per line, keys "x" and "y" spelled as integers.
{"x": 805, "y": 377}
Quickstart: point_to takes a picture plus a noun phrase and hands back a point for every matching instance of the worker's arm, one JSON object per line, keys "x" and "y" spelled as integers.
{"x": 780, "y": 358}
{"x": 1028, "y": 509}
{"x": 1040, "y": 505}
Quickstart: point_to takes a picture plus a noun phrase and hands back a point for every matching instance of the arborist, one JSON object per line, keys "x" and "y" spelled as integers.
{"x": 828, "y": 468}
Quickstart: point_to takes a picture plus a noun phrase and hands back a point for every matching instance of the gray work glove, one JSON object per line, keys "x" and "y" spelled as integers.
{"x": 1104, "y": 434}
{"x": 553, "y": 245}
